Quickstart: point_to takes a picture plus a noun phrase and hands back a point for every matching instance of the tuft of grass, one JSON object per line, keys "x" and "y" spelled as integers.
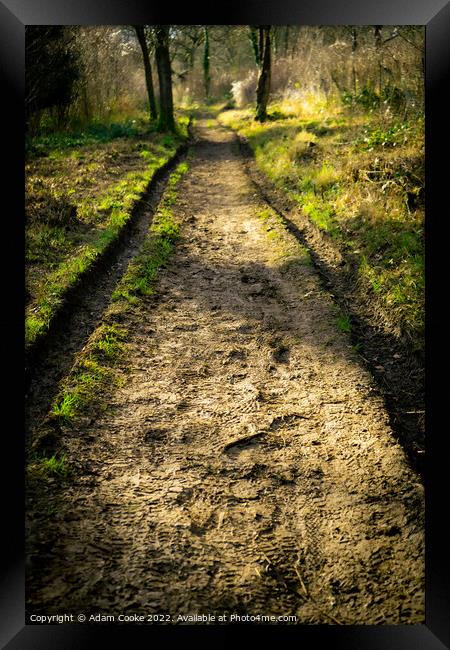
{"x": 44, "y": 467}
{"x": 344, "y": 324}
{"x": 66, "y": 407}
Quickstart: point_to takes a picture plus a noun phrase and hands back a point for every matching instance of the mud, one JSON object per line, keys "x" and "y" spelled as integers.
{"x": 248, "y": 464}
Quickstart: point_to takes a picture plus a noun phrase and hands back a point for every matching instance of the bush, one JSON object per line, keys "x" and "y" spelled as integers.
{"x": 366, "y": 98}
{"x": 244, "y": 91}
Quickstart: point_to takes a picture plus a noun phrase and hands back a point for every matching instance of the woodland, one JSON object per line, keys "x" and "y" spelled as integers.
{"x": 224, "y": 323}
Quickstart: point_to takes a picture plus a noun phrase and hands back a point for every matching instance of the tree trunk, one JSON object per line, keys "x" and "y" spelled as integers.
{"x": 263, "y": 89}
{"x": 254, "y": 42}
{"x": 377, "y": 36}
{"x": 354, "y": 47}
{"x": 286, "y": 40}
{"x": 261, "y": 45}
{"x": 206, "y": 74}
{"x": 166, "y": 118}
{"x": 148, "y": 71}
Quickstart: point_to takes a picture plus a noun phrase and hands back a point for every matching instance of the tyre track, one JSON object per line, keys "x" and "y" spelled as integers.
{"x": 163, "y": 516}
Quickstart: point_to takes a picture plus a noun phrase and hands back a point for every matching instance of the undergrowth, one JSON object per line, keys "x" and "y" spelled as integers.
{"x": 358, "y": 174}
{"x": 77, "y": 203}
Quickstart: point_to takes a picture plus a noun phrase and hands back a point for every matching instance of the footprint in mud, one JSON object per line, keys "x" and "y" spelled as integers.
{"x": 281, "y": 354}
{"x": 155, "y": 435}
{"x": 196, "y": 529}
{"x": 236, "y": 355}
{"x": 245, "y": 450}
{"x": 247, "y": 279}
{"x": 185, "y": 496}
{"x": 245, "y": 329}
{"x": 286, "y": 420}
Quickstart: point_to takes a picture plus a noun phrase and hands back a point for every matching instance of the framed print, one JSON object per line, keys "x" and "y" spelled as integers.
{"x": 237, "y": 455}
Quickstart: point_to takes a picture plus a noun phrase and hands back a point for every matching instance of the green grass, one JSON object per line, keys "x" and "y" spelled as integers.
{"x": 290, "y": 253}
{"x": 395, "y": 135}
{"x": 57, "y": 144}
{"x": 58, "y": 254}
{"x": 93, "y": 374}
{"x": 141, "y": 275}
{"x": 344, "y": 324}
{"x": 358, "y": 177}
{"x": 44, "y": 467}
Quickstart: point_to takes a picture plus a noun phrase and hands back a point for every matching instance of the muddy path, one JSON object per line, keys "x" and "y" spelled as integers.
{"x": 247, "y": 465}
{"x": 54, "y": 355}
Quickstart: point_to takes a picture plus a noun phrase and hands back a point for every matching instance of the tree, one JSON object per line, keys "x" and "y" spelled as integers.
{"x": 354, "y": 48}
{"x": 263, "y": 88}
{"x": 141, "y": 36}
{"x": 206, "y": 73}
{"x": 184, "y": 44}
{"x": 52, "y": 68}
{"x": 166, "y": 118}
{"x": 253, "y": 34}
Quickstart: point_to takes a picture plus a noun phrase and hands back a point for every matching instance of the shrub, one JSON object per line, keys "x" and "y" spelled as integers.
{"x": 244, "y": 91}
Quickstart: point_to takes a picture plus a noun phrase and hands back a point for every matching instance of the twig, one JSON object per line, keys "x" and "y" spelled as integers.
{"x": 308, "y": 596}
{"x": 410, "y": 42}
{"x": 301, "y": 582}
{"x": 243, "y": 440}
{"x": 330, "y": 616}
{"x": 304, "y": 593}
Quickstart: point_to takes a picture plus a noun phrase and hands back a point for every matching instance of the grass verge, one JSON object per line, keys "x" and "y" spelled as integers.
{"x": 139, "y": 279}
{"x": 358, "y": 176}
{"x": 98, "y": 367}
{"x": 79, "y": 200}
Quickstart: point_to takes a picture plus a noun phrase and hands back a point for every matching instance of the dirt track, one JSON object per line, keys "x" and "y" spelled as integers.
{"x": 247, "y": 465}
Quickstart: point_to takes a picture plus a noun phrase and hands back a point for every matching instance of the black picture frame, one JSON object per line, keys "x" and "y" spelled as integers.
{"x": 435, "y": 16}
